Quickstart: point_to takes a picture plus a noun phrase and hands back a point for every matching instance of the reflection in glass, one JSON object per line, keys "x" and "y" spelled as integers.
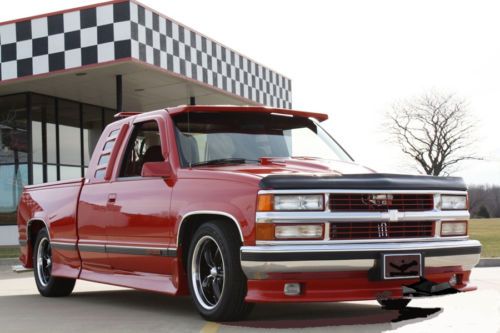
{"x": 68, "y": 172}
{"x": 69, "y": 133}
{"x": 37, "y": 173}
{"x": 109, "y": 116}
{"x": 92, "y": 128}
{"x": 36, "y": 130}
{"x": 43, "y": 123}
{"x": 14, "y": 143}
{"x": 13, "y": 154}
{"x": 51, "y": 173}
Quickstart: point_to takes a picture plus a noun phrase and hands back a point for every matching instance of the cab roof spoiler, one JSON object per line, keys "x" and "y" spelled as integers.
{"x": 121, "y": 115}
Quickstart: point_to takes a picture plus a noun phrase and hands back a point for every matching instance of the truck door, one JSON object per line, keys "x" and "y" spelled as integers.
{"x": 139, "y": 228}
{"x": 93, "y": 209}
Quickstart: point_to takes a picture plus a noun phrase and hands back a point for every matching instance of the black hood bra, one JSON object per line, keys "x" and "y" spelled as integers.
{"x": 372, "y": 181}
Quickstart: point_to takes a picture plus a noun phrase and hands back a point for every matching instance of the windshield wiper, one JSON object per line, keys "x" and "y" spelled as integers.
{"x": 221, "y": 161}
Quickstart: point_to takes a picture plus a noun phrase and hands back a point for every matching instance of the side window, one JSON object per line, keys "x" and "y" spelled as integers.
{"x": 102, "y": 163}
{"x": 144, "y": 146}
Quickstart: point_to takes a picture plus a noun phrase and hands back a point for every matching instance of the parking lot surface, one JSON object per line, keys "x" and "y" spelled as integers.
{"x": 100, "y": 308}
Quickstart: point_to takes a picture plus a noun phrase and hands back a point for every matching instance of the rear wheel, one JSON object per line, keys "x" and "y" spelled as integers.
{"x": 394, "y": 304}
{"x": 216, "y": 281}
{"x": 48, "y": 285}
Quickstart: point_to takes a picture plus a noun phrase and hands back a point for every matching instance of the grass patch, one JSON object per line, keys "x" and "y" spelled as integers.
{"x": 9, "y": 251}
{"x": 487, "y": 231}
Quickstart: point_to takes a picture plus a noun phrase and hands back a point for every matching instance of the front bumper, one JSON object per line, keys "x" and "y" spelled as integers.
{"x": 261, "y": 262}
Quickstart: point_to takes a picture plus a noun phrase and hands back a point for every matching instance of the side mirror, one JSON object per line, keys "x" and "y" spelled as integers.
{"x": 156, "y": 169}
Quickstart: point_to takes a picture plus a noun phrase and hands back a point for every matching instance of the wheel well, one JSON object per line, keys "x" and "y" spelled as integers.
{"x": 34, "y": 227}
{"x": 189, "y": 226}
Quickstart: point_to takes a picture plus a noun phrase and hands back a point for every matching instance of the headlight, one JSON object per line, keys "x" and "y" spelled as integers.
{"x": 271, "y": 231}
{"x": 453, "y": 202}
{"x": 290, "y": 202}
{"x": 454, "y": 228}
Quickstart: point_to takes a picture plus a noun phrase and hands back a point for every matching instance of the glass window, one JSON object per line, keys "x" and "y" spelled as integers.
{"x": 109, "y": 145}
{"x": 43, "y": 124}
{"x": 103, "y": 160}
{"x": 114, "y": 133}
{"x": 69, "y": 133}
{"x": 144, "y": 146}
{"x": 246, "y": 137}
{"x": 36, "y": 133}
{"x": 99, "y": 174}
{"x": 92, "y": 128}
{"x": 51, "y": 173}
{"x": 109, "y": 116}
{"x": 69, "y": 172}
{"x": 13, "y": 154}
{"x": 37, "y": 173}
{"x": 12, "y": 179}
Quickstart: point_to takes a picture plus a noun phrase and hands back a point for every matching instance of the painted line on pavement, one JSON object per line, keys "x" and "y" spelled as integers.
{"x": 210, "y": 327}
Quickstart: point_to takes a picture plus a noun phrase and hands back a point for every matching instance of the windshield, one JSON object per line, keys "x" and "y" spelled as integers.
{"x": 244, "y": 137}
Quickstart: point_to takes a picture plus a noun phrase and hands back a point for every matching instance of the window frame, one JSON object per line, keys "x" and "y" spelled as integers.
{"x": 131, "y": 136}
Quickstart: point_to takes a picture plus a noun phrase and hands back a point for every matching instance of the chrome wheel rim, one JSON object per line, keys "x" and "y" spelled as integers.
{"x": 207, "y": 269}
{"x": 44, "y": 262}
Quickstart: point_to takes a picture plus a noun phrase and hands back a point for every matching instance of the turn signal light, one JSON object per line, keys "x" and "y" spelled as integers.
{"x": 265, "y": 202}
{"x": 264, "y": 231}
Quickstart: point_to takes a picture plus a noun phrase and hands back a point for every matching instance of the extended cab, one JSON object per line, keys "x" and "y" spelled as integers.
{"x": 241, "y": 205}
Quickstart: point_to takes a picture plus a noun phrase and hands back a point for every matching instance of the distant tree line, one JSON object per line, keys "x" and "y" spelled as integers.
{"x": 484, "y": 201}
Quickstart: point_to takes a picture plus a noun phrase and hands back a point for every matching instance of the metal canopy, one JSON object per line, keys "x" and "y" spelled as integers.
{"x": 145, "y": 87}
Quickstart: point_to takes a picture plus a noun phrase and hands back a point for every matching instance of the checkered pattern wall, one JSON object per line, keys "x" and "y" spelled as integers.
{"x": 126, "y": 29}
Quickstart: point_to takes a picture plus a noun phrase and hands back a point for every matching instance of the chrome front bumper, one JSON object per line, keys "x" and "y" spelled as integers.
{"x": 258, "y": 261}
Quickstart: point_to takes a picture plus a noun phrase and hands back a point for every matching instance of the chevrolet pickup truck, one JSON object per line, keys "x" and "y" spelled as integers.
{"x": 240, "y": 205}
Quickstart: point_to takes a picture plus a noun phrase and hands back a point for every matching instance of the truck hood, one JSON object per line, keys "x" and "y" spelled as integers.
{"x": 293, "y": 166}
{"x": 311, "y": 173}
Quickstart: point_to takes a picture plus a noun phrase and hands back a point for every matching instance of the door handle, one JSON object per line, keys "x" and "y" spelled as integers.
{"x": 112, "y": 198}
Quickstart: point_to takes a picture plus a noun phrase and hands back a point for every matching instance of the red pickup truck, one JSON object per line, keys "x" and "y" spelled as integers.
{"x": 241, "y": 205}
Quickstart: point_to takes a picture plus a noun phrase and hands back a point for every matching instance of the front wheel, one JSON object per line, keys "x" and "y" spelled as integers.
{"x": 216, "y": 281}
{"x": 394, "y": 304}
{"x": 48, "y": 285}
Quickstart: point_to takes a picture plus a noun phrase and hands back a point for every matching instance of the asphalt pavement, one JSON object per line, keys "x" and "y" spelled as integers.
{"x": 101, "y": 308}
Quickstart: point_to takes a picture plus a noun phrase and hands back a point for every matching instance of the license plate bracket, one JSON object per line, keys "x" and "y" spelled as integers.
{"x": 402, "y": 266}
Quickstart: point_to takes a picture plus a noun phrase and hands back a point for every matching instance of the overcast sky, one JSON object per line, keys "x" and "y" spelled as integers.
{"x": 354, "y": 59}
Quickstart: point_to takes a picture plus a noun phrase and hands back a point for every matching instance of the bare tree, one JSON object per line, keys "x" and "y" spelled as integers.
{"x": 484, "y": 197}
{"x": 435, "y": 130}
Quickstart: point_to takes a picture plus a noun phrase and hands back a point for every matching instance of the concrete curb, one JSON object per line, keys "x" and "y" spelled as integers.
{"x": 9, "y": 262}
{"x": 489, "y": 262}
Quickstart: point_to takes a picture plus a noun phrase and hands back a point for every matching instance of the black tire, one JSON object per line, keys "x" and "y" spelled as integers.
{"x": 48, "y": 285}
{"x": 217, "y": 284}
{"x": 394, "y": 304}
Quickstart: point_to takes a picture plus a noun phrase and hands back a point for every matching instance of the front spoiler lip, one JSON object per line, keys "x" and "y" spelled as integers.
{"x": 258, "y": 261}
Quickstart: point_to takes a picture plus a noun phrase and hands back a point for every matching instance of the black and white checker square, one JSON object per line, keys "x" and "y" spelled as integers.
{"x": 64, "y": 41}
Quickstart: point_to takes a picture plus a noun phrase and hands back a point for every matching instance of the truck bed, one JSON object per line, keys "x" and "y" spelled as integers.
{"x": 53, "y": 204}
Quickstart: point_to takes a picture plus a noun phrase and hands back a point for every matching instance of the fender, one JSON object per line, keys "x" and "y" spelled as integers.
{"x": 211, "y": 212}
{"x": 28, "y": 226}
